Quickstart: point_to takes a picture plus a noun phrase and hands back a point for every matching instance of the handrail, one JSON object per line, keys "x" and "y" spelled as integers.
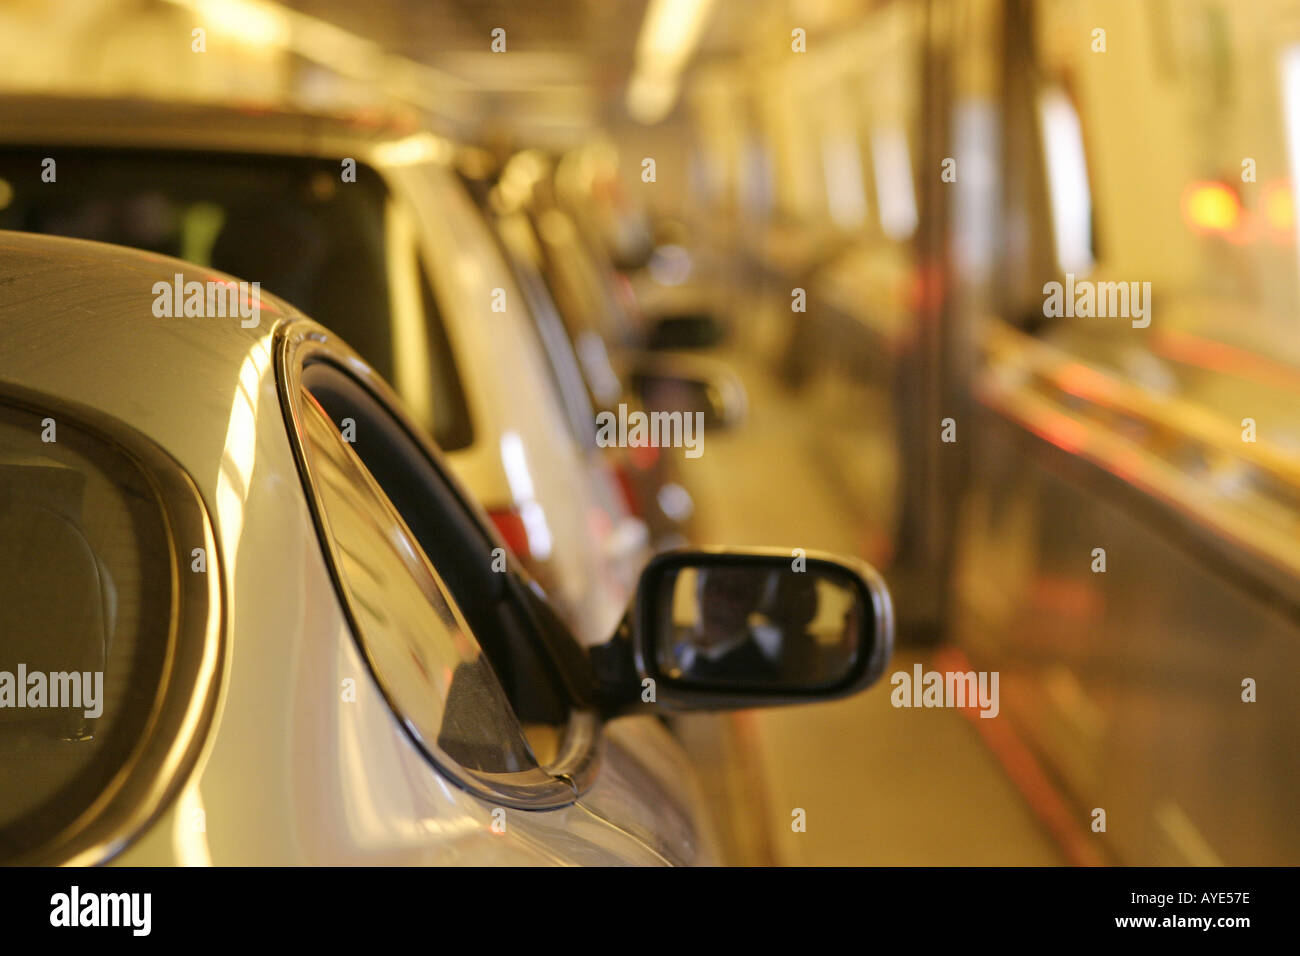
{"x": 1007, "y": 385}
{"x": 1085, "y": 381}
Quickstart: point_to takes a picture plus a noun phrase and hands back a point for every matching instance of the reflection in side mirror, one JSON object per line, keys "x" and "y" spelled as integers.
{"x": 675, "y": 383}
{"x": 757, "y": 628}
{"x": 718, "y": 629}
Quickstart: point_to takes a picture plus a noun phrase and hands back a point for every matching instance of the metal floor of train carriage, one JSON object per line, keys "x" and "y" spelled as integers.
{"x": 879, "y": 786}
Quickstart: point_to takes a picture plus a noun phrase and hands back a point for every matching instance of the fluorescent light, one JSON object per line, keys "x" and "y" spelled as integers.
{"x": 259, "y": 23}
{"x": 650, "y": 99}
{"x": 669, "y": 35}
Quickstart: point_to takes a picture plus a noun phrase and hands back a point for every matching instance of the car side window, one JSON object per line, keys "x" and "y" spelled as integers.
{"x": 566, "y": 375}
{"x": 420, "y": 647}
{"x": 445, "y": 636}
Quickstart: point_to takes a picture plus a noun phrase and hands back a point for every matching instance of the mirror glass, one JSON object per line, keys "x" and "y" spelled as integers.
{"x": 759, "y": 625}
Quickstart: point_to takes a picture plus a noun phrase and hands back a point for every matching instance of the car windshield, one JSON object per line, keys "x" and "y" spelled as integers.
{"x": 291, "y": 224}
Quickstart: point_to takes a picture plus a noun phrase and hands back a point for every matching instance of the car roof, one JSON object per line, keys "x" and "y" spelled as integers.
{"x": 139, "y": 123}
{"x": 77, "y": 326}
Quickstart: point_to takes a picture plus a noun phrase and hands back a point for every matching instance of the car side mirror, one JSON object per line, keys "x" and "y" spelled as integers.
{"x": 689, "y": 384}
{"x": 730, "y": 629}
{"x": 689, "y": 330}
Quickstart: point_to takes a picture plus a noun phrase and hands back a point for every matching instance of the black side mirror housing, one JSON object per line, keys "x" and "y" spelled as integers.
{"x": 690, "y": 330}
{"x": 726, "y": 629}
{"x": 673, "y": 382}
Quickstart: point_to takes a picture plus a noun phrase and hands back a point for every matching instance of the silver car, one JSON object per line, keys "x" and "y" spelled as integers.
{"x": 362, "y": 223}
{"x": 247, "y": 615}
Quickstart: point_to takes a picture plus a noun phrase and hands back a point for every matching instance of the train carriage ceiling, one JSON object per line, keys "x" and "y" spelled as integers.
{"x": 567, "y": 68}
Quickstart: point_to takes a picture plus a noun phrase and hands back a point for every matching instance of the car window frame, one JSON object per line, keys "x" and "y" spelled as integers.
{"x": 568, "y": 380}
{"x": 573, "y": 771}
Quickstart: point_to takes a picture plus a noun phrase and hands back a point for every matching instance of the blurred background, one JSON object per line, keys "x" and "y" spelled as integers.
{"x": 833, "y": 222}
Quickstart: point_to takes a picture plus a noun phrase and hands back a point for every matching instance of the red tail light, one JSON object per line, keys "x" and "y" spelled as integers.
{"x": 627, "y": 487}
{"x": 511, "y": 527}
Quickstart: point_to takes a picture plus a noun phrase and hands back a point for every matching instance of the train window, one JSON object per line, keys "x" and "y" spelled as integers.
{"x": 1171, "y": 145}
{"x": 1150, "y": 225}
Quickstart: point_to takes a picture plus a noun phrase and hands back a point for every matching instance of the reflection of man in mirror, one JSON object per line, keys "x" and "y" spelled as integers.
{"x": 790, "y": 608}
{"x": 723, "y": 644}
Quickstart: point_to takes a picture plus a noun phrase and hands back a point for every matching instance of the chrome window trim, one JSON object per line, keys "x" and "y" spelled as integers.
{"x": 578, "y": 759}
{"x": 297, "y": 343}
{"x": 185, "y": 703}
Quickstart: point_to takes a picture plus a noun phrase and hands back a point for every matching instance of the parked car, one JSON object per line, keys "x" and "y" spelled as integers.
{"x": 295, "y": 638}
{"x": 362, "y": 223}
{"x": 584, "y": 307}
